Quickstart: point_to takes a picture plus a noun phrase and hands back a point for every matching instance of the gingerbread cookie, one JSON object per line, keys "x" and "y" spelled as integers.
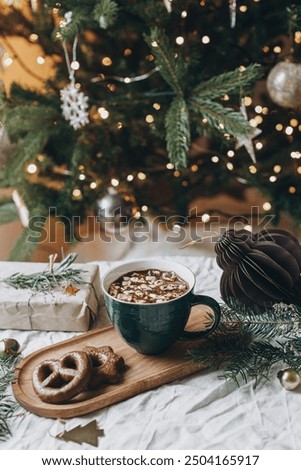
{"x": 106, "y": 365}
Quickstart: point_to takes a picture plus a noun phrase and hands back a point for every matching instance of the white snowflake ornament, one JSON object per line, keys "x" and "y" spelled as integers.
{"x": 74, "y": 106}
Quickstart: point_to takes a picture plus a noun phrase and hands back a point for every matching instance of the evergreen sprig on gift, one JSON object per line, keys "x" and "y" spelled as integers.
{"x": 51, "y": 277}
{"x": 250, "y": 341}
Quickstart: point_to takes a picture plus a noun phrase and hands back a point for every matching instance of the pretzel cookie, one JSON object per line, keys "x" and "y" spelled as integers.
{"x": 106, "y": 365}
{"x": 58, "y": 380}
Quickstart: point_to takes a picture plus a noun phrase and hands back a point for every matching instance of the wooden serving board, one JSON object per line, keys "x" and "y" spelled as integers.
{"x": 142, "y": 372}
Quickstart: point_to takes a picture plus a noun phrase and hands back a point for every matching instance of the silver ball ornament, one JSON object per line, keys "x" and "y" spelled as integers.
{"x": 289, "y": 379}
{"x": 284, "y": 84}
{"x": 115, "y": 209}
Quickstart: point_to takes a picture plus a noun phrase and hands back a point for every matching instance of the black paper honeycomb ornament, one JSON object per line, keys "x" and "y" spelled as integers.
{"x": 260, "y": 269}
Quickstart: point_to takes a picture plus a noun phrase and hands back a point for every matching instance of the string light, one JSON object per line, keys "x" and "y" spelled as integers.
{"x": 32, "y": 168}
{"x": 296, "y": 155}
{"x": 289, "y": 130}
{"x": 277, "y": 168}
{"x": 267, "y": 206}
{"x": 33, "y": 37}
{"x": 82, "y": 177}
{"x": 180, "y": 40}
{"x": 292, "y": 190}
{"x": 243, "y": 8}
{"x": 177, "y": 173}
{"x": 215, "y": 159}
{"x": 230, "y": 166}
{"x": 144, "y": 208}
{"x": 205, "y": 218}
{"x": 258, "y": 145}
{"x": 75, "y": 65}
{"x": 279, "y": 127}
{"x": 170, "y": 166}
{"x": 205, "y": 39}
{"x": 77, "y": 194}
{"x": 230, "y": 153}
{"x": 157, "y": 106}
{"x": 273, "y": 179}
{"x": 277, "y": 49}
{"x": 252, "y": 169}
{"x": 258, "y": 109}
{"x": 103, "y": 112}
{"x": 184, "y": 14}
{"x": 130, "y": 177}
{"x": 299, "y": 170}
{"x": 194, "y": 168}
{"x": 106, "y": 61}
{"x": 141, "y": 176}
{"x": 247, "y": 100}
{"x": 149, "y": 118}
{"x": 114, "y": 182}
{"x": 294, "y": 122}
{"x": 93, "y": 185}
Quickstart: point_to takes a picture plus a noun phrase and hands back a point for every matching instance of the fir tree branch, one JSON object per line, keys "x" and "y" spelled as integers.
{"x": 105, "y": 13}
{"x": 8, "y": 212}
{"x": 227, "y": 83}
{"x": 177, "y": 132}
{"x": 225, "y": 120}
{"x": 7, "y": 405}
{"x": 170, "y": 68}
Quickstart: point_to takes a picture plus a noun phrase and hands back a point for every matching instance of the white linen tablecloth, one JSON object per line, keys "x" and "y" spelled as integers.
{"x": 199, "y": 412}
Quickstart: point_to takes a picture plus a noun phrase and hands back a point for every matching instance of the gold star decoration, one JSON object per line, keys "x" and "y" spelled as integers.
{"x": 246, "y": 140}
{"x": 70, "y": 289}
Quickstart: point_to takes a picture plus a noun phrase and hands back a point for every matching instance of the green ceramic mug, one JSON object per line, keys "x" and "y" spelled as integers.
{"x": 152, "y": 328}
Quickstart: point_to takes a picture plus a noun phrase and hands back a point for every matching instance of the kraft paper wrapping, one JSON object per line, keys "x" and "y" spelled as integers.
{"x": 23, "y": 309}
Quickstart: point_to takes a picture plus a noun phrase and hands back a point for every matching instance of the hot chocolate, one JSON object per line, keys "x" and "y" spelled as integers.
{"x": 149, "y": 286}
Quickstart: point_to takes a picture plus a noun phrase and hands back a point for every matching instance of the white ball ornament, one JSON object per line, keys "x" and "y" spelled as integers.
{"x": 284, "y": 84}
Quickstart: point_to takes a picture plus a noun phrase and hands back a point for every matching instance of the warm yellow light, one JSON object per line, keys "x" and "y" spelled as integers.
{"x": 292, "y": 189}
{"x": 93, "y": 185}
{"x": 299, "y": 170}
{"x": 33, "y": 37}
{"x": 205, "y": 218}
{"x": 258, "y": 145}
{"x": 103, "y": 112}
{"x": 177, "y": 173}
{"x": 106, "y": 61}
{"x": 215, "y": 159}
{"x": 273, "y": 179}
{"x": 267, "y": 206}
{"x": 296, "y": 154}
{"x": 127, "y": 52}
{"x": 243, "y": 8}
{"x": 194, "y": 168}
{"x": 157, "y": 106}
{"x": 141, "y": 176}
{"x": 252, "y": 169}
{"x": 149, "y": 118}
{"x": 114, "y": 182}
{"x": 277, "y": 49}
{"x": 82, "y": 177}
{"x": 170, "y": 166}
{"x": 247, "y": 100}
{"x": 279, "y": 127}
{"x": 230, "y": 166}
{"x": 294, "y": 122}
{"x": 277, "y": 168}
{"x": 265, "y": 110}
{"x": 77, "y": 194}
{"x": 230, "y": 153}
{"x": 130, "y": 177}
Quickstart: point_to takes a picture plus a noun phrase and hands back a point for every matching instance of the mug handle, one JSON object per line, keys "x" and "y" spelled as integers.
{"x": 210, "y": 302}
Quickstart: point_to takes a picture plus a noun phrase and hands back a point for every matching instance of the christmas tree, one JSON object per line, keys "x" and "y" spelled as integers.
{"x": 161, "y": 100}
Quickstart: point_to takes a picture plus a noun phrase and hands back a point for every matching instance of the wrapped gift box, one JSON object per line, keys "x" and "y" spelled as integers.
{"x": 56, "y": 310}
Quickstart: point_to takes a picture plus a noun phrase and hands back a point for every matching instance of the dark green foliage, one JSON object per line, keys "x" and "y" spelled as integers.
{"x": 250, "y": 341}
{"x": 164, "y": 77}
{"x": 8, "y": 406}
